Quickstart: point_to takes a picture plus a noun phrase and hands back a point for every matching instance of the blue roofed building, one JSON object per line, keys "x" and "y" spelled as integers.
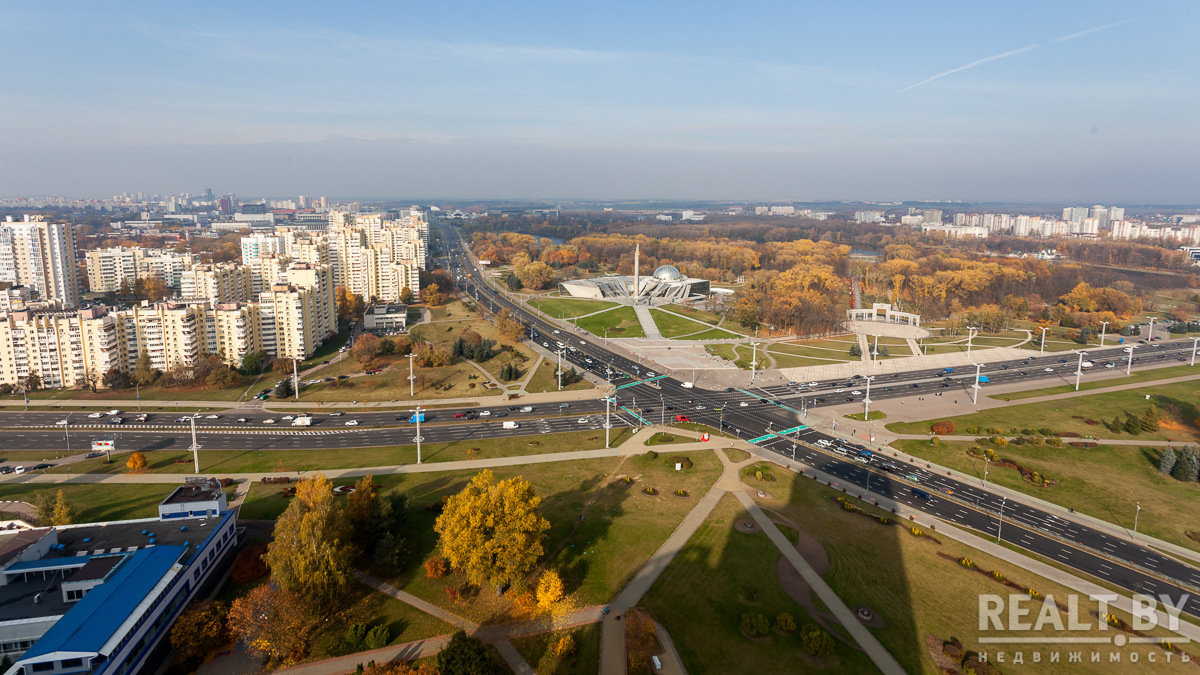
{"x": 101, "y": 597}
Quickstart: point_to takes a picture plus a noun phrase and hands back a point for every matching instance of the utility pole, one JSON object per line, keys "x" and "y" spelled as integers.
{"x": 1042, "y": 349}
{"x": 1129, "y": 364}
{"x": 607, "y": 422}
{"x": 295, "y": 379}
{"x": 411, "y": 378}
{"x": 975, "y": 389}
{"x": 1135, "y": 517}
{"x": 1194, "y": 341}
{"x": 195, "y": 445}
{"x": 753, "y": 357}
{"x": 662, "y": 411}
{"x": 1000, "y": 526}
{"x": 67, "y": 432}
{"x": 417, "y": 416}
{"x": 560, "y": 370}
{"x": 137, "y": 388}
{"x": 986, "y": 461}
{"x": 1103, "y": 330}
{"x": 867, "y": 400}
{"x": 1079, "y": 370}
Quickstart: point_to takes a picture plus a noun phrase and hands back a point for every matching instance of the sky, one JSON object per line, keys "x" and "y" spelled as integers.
{"x": 1015, "y": 101}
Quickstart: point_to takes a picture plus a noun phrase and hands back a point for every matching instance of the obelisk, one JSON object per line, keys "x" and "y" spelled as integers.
{"x": 637, "y": 277}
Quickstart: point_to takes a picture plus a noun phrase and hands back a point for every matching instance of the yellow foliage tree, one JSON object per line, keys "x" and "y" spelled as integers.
{"x": 549, "y": 589}
{"x": 492, "y": 531}
{"x": 136, "y": 462}
{"x": 311, "y": 552}
{"x": 272, "y": 622}
{"x": 64, "y": 512}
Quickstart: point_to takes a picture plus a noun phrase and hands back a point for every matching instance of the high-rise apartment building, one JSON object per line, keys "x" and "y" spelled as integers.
{"x": 41, "y": 255}
{"x": 109, "y": 268}
{"x": 218, "y": 283}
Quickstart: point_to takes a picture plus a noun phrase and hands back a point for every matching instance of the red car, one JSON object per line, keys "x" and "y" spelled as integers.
{"x": 460, "y": 414}
{"x": 682, "y": 418}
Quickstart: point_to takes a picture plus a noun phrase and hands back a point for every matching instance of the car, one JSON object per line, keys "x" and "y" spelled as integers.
{"x": 813, "y": 384}
{"x": 459, "y": 415}
{"x": 700, "y": 406}
{"x": 793, "y": 384}
{"x": 1110, "y": 365}
{"x": 915, "y": 385}
{"x": 116, "y": 420}
{"x": 62, "y": 423}
{"x": 856, "y": 393}
{"x": 582, "y": 420}
{"x": 182, "y": 420}
{"x": 485, "y": 413}
{"x": 212, "y": 417}
{"x": 500, "y": 414}
{"x": 241, "y": 420}
{"x": 114, "y": 411}
{"x": 96, "y": 415}
{"x": 19, "y": 469}
{"x": 343, "y": 377}
{"x": 669, "y": 408}
{"x": 43, "y": 465}
{"x": 857, "y": 377}
{"x": 762, "y": 400}
{"x": 561, "y": 406}
{"x": 1048, "y": 369}
{"x": 1062, "y": 360}
{"x": 743, "y": 404}
{"x": 268, "y": 421}
{"x": 513, "y": 408}
{"x": 838, "y": 390}
{"x": 93, "y": 455}
{"x": 6, "y": 469}
{"x": 351, "y": 423}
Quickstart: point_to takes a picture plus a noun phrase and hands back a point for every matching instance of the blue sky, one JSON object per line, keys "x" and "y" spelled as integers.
{"x": 1012, "y": 101}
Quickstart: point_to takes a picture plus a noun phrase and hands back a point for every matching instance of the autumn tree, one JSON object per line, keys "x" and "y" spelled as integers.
{"x": 153, "y": 289}
{"x": 432, "y": 295}
{"x": 549, "y": 589}
{"x": 349, "y": 305}
{"x": 366, "y": 349}
{"x": 469, "y": 656}
{"x": 272, "y": 622}
{"x": 199, "y": 632}
{"x": 508, "y": 327}
{"x": 43, "y": 504}
{"x": 144, "y": 372}
{"x": 536, "y": 275}
{"x": 311, "y": 554}
{"x": 136, "y": 462}
{"x": 64, "y": 511}
{"x": 406, "y": 295}
{"x": 492, "y": 531}
{"x": 281, "y": 366}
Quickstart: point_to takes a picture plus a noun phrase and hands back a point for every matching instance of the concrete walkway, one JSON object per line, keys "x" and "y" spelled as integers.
{"x": 647, "y": 320}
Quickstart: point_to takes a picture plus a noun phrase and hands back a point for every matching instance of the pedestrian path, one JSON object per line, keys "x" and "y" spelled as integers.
{"x": 647, "y": 320}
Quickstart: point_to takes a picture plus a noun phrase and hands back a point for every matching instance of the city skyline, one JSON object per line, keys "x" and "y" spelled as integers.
{"x": 761, "y": 102}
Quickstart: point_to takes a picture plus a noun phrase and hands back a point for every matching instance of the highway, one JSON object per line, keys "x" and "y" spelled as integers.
{"x": 758, "y": 414}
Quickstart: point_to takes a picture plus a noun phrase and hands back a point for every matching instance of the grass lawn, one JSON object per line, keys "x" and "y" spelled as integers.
{"x": 536, "y": 650}
{"x": 724, "y": 351}
{"x": 789, "y": 361}
{"x": 545, "y": 378}
{"x": 287, "y": 461}
{"x": 96, "y": 503}
{"x": 668, "y": 439}
{"x": 672, "y": 326}
{"x": 620, "y": 322}
{"x": 840, "y": 353}
{"x": 917, "y": 592}
{"x": 365, "y": 605}
{"x": 1137, "y": 376}
{"x": 719, "y": 575}
{"x": 711, "y": 334}
{"x": 203, "y": 393}
{"x": 696, "y": 314}
{"x": 875, "y": 415}
{"x": 453, "y": 381}
{"x": 596, "y": 554}
{"x": 1176, "y": 403}
{"x": 745, "y": 355}
{"x": 330, "y": 347}
{"x": 569, "y": 308}
{"x": 1104, "y": 482}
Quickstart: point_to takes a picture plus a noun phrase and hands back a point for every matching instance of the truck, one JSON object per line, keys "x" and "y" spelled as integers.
{"x": 1086, "y": 364}
{"x": 946, "y": 371}
{"x": 416, "y": 417}
{"x": 511, "y": 425}
{"x": 922, "y": 495}
{"x": 302, "y": 422}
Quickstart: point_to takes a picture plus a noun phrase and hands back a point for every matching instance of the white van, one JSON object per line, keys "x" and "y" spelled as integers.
{"x": 302, "y": 422}
{"x": 511, "y": 425}
{"x": 687, "y": 385}
{"x": 19, "y": 469}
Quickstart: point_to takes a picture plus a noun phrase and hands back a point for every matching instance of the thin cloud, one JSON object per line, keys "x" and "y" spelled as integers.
{"x": 1089, "y": 31}
{"x": 977, "y": 62}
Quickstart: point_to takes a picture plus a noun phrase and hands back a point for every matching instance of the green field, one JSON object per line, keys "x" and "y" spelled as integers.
{"x": 711, "y": 334}
{"x": 619, "y": 322}
{"x": 569, "y": 308}
{"x": 902, "y": 577}
{"x": 1150, "y": 375}
{"x": 697, "y": 314}
{"x": 724, "y": 350}
{"x": 536, "y": 651}
{"x": 1105, "y": 482}
{"x": 830, "y": 351}
{"x": 672, "y": 326}
{"x": 545, "y": 378}
{"x": 96, "y": 503}
{"x": 875, "y": 415}
{"x": 596, "y": 554}
{"x": 366, "y": 605}
{"x": 287, "y": 461}
{"x": 1176, "y": 403}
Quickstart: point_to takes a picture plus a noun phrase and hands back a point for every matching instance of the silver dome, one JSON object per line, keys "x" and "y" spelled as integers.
{"x": 668, "y": 273}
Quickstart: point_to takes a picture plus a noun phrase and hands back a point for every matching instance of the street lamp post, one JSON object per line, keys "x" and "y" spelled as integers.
{"x": 1000, "y": 526}
{"x": 1194, "y": 341}
{"x": 1079, "y": 370}
{"x": 1103, "y": 330}
{"x": 1129, "y": 364}
{"x": 607, "y": 419}
{"x": 411, "y": 378}
{"x": 875, "y": 351}
{"x": 753, "y": 359}
{"x": 1150, "y": 335}
{"x": 295, "y": 380}
{"x": 560, "y": 370}
{"x": 1135, "y": 516}
{"x": 67, "y": 432}
{"x": 867, "y": 400}
{"x": 986, "y": 461}
{"x": 195, "y": 445}
{"x": 971, "y": 331}
{"x": 1042, "y": 349}
{"x": 662, "y": 411}
{"x": 975, "y": 389}
{"x": 417, "y": 417}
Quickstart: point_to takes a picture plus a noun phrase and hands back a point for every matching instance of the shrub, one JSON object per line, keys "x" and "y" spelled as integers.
{"x": 681, "y": 493}
{"x": 650, "y": 491}
{"x": 967, "y": 563}
{"x": 1027, "y": 432}
{"x": 452, "y": 593}
{"x": 436, "y": 567}
{"x": 652, "y": 454}
{"x": 815, "y": 641}
{"x": 972, "y": 430}
{"x": 1046, "y": 431}
{"x": 682, "y": 460}
{"x": 942, "y": 428}
{"x": 785, "y": 622}
{"x": 1187, "y": 466}
{"x": 1053, "y": 441}
{"x": 994, "y": 431}
{"x": 1167, "y": 461}
{"x": 378, "y": 637}
{"x": 563, "y": 647}
{"x": 999, "y": 441}
{"x": 755, "y": 624}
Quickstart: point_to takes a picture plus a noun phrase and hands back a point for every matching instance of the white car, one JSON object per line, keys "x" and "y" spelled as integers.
{"x": 582, "y": 420}
{"x": 339, "y": 413}
{"x": 351, "y": 423}
{"x": 485, "y": 413}
{"x": 287, "y": 417}
{"x": 838, "y": 390}
{"x": 1110, "y": 365}
{"x": 856, "y": 393}
{"x": 743, "y": 404}
{"x": 95, "y": 415}
{"x": 1048, "y": 370}
{"x": 114, "y": 411}
{"x": 823, "y": 443}
{"x": 813, "y": 384}
{"x": 268, "y": 421}
{"x": 213, "y": 417}
{"x": 241, "y": 420}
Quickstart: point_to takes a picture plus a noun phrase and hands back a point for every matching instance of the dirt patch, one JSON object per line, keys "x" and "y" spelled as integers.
{"x": 944, "y": 663}
{"x": 747, "y": 526}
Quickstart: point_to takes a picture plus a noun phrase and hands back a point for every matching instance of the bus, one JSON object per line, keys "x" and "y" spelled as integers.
{"x": 922, "y": 495}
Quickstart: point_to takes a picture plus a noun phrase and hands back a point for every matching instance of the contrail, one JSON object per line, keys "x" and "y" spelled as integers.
{"x": 977, "y": 62}
{"x": 1089, "y": 31}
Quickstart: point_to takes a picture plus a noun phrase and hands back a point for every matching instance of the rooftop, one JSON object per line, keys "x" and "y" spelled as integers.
{"x": 194, "y": 492}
